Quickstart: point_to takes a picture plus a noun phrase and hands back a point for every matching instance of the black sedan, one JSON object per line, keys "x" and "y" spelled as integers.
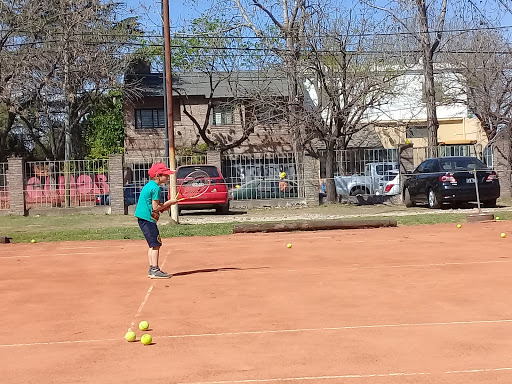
{"x": 451, "y": 180}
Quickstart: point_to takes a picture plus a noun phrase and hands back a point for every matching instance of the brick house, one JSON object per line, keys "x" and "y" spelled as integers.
{"x": 145, "y": 133}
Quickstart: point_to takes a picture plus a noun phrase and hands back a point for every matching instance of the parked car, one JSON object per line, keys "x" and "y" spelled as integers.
{"x": 262, "y": 188}
{"x": 451, "y": 180}
{"x": 390, "y": 184}
{"x": 215, "y": 197}
{"x": 365, "y": 184}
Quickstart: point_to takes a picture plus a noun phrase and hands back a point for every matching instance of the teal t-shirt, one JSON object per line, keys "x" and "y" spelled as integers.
{"x": 150, "y": 192}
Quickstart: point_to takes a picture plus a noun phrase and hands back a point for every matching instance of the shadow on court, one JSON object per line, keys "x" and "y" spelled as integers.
{"x": 209, "y": 270}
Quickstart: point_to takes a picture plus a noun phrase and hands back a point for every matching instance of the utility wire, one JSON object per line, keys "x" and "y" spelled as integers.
{"x": 207, "y": 36}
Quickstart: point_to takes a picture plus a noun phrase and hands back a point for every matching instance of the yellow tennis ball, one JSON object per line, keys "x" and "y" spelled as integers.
{"x": 146, "y": 339}
{"x": 459, "y": 226}
{"x": 289, "y": 245}
{"x": 143, "y": 325}
{"x": 237, "y": 186}
{"x": 130, "y": 336}
{"x": 497, "y": 217}
{"x": 503, "y": 234}
{"x": 32, "y": 241}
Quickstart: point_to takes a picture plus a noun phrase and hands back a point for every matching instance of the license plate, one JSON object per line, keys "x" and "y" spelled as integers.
{"x": 470, "y": 180}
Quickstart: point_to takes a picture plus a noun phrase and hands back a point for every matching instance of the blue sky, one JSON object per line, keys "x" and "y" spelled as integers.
{"x": 182, "y": 10}
{"x": 179, "y": 10}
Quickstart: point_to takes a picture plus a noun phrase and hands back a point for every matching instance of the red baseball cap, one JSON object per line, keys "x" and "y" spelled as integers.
{"x": 159, "y": 169}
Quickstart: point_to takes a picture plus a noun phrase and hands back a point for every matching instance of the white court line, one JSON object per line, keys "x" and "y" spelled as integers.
{"x": 14, "y": 257}
{"x": 431, "y": 264}
{"x": 50, "y": 255}
{"x": 353, "y": 267}
{"x": 80, "y": 247}
{"x": 312, "y": 378}
{"x": 474, "y": 322}
{"x": 146, "y": 298}
{"x": 340, "y": 328}
{"x": 394, "y": 374}
{"x": 481, "y": 370}
{"x": 56, "y": 343}
{"x": 211, "y": 241}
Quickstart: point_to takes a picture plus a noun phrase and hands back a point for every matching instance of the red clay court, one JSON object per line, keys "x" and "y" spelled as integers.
{"x": 424, "y": 304}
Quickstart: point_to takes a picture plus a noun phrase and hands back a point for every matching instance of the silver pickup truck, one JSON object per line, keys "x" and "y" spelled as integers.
{"x": 369, "y": 183}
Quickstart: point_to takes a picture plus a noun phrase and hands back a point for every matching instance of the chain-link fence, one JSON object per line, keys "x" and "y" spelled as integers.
{"x": 75, "y": 183}
{"x": 4, "y": 190}
{"x": 364, "y": 171}
{"x": 355, "y": 161}
{"x": 263, "y": 176}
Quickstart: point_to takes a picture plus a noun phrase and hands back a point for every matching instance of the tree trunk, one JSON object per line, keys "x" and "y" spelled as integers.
{"x": 4, "y": 134}
{"x": 330, "y": 169}
{"x": 428, "y": 49}
{"x": 430, "y": 99}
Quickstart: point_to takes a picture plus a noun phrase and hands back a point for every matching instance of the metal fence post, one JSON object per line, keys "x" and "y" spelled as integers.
{"x": 16, "y": 185}
{"x": 116, "y": 177}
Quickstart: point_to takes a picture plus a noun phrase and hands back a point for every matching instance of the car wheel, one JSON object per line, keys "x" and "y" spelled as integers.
{"x": 358, "y": 192}
{"x": 407, "y": 199}
{"x": 224, "y": 210}
{"x": 432, "y": 200}
{"x": 489, "y": 203}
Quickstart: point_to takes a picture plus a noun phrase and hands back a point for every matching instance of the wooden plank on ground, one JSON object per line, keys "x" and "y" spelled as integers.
{"x": 313, "y": 225}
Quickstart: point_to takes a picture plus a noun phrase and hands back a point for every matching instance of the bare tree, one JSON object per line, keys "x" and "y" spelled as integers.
{"x": 89, "y": 49}
{"x": 21, "y": 76}
{"x": 287, "y": 18}
{"x": 56, "y": 60}
{"x": 224, "y": 66}
{"x": 349, "y": 78}
{"x": 483, "y": 62}
{"x": 429, "y": 23}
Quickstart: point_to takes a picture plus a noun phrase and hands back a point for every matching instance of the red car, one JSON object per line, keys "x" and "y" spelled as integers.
{"x": 215, "y": 197}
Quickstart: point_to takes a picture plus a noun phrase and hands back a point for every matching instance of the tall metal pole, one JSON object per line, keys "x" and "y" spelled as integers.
{"x": 168, "y": 93}
{"x": 165, "y": 93}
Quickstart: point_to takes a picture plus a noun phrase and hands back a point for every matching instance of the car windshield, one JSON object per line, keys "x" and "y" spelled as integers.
{"x": 461, "y": 164}
{"x": 210, "y": 170}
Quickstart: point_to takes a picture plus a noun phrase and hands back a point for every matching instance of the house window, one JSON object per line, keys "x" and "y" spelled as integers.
{"x": 416, "y": 131}
{"x": 149, "y": 118}
{"x": 222, "y": 115}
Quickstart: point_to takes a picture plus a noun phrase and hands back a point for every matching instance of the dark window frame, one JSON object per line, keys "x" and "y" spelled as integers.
{"x": 225, "y": 110}
{"x": 158, "y": 117}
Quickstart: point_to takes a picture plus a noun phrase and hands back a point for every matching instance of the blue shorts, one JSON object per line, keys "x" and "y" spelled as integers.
{"x": 151, "y": 233}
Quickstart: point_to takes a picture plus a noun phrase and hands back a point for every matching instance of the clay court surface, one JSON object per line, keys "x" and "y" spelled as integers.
{"x": 425, "y": 304}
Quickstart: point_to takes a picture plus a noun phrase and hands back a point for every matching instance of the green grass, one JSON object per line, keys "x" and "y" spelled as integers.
{"x": 112, "y": 227}
{"x": 95, "y": 227}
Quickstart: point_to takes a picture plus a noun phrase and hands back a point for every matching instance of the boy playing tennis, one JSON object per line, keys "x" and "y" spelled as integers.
{"x": 148, "y": 212}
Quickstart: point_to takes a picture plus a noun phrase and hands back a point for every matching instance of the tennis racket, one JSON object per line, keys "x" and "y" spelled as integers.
{"x": 195, "y": 184}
